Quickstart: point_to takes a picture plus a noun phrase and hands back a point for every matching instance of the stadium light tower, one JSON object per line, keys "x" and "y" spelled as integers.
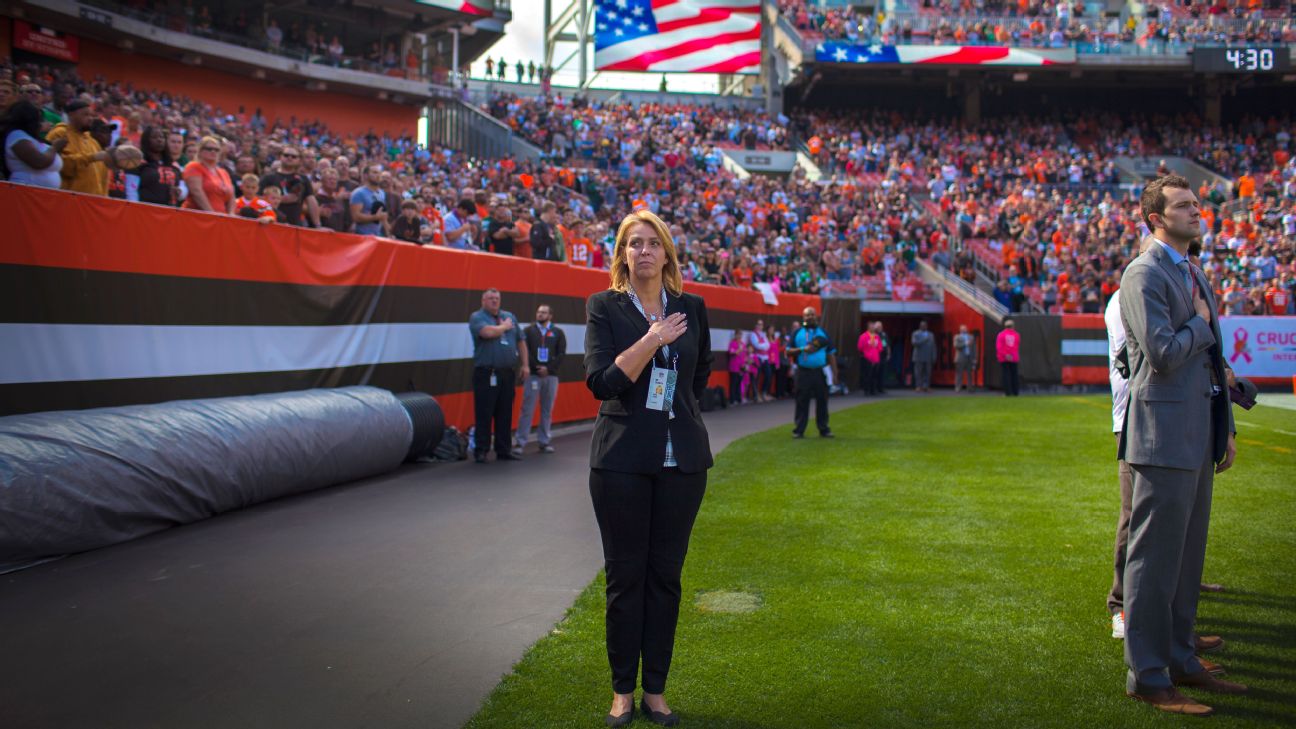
{"x": 571, "y": 25}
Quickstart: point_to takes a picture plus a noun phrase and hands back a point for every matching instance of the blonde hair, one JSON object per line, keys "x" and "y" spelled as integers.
{"x": 671, "y": 277}
{"x": 249, "y": 177}
{"x": 213, "y": 140}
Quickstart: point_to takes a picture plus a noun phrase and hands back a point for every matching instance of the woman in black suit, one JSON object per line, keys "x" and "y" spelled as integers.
{"x": 649, "y": 454}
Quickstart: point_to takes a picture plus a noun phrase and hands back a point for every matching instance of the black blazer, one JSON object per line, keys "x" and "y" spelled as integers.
{"x": 629, "y": 437}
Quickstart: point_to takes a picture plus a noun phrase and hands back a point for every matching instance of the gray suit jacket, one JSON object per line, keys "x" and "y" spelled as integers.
{"x": 924, "y": 346}
{"x": 1171, "y": 352}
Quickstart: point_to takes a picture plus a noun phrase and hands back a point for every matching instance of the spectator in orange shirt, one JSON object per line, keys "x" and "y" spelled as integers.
{"x": 742, "y": 274}
{"x": 1277, "y": 300}
{"x": 581, "y": 250}
{"x": 1246, "y": 186}
{"x": 209, "y": 183}
{"x": 522, "y": 248}
{"x": 434, "y": 221}
{"x": 250, "y": 204}
{"x": 1069, "y": 293}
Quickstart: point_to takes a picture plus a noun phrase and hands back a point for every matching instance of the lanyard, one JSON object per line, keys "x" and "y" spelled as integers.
{"x": 634, "y": 299}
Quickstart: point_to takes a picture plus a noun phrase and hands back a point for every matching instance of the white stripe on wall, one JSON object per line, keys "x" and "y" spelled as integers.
{"x": 73, "y": 352}
{"x": 1084, "y": 347}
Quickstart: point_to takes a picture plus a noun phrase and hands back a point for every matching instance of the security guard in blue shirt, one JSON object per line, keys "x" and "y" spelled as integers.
{"x": 813, "y": 351}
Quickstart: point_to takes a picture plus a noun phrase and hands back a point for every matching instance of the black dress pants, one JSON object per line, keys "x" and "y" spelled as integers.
{"x": 870, "y": 375}
{"x": 493, "y": 406}
{"x": 1010, "y": 383}
{"x": 811, "y": 383}
{"x": 645, "y": 521}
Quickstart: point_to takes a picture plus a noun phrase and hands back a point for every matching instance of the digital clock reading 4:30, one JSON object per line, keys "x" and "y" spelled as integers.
{"x": 1242, "y": 60}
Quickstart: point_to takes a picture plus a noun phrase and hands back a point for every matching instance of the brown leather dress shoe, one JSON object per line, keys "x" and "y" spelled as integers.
{"x": 1205, "y": 681}
{"x": 1214, "y": 668}
{"x": 1208, "y": 643}
{"x": 1171, "y": 701}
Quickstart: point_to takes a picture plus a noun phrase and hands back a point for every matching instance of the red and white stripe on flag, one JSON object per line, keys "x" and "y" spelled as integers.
{"x": 696, "y": 36}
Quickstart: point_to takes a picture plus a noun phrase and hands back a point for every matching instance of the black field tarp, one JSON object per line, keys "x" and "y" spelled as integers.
{"x": 77, "y": 480}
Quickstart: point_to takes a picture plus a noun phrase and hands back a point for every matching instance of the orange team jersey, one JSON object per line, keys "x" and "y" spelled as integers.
{"x": 259, "y": 204}
{"x": 1276, "y": 301}
{"x": 1246, "y": 186}
{"x": 742, "y": 277}
{"x": 580, "y": 252}
{"x": 1070, "y": 298}
{"x": 431, "y": 215}
{"x": 522, "y": 247}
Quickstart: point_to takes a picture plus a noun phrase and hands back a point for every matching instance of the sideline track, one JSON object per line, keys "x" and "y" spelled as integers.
{"x": 397, "y": 601}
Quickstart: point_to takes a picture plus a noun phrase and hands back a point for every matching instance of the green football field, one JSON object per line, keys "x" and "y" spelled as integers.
{"x": 944, "y": 562}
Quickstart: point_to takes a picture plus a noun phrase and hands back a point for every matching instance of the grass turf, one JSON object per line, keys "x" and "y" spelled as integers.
{"x": 941, "y": 563}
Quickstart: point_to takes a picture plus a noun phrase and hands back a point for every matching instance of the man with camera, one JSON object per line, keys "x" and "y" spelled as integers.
{"x": 813, "y": 351}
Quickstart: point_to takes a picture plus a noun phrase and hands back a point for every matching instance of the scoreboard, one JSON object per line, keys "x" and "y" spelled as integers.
{"x": 1251, "y": 59}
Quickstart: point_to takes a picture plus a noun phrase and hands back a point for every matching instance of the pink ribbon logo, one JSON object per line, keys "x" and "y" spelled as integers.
{"x": 1240, "y": 345}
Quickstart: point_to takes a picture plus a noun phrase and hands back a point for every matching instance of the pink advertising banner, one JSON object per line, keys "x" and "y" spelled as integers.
{"x": 1260, "y": 346}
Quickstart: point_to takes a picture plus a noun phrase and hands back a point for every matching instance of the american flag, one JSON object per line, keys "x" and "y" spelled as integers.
{"x": 698, "y": 36}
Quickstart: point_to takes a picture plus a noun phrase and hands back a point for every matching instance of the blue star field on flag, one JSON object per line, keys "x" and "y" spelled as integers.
{"x": 617, "y": 21}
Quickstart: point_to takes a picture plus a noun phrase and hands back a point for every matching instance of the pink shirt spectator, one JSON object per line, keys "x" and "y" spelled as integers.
{"x": 737, "y": 357}
{"x": 1006, "y": 345}
{"x": 870, "y": 345}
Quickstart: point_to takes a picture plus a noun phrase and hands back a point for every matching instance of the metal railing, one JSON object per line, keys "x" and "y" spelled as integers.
{"x": 969, "y": 294}
{"x": 470, "y": 130}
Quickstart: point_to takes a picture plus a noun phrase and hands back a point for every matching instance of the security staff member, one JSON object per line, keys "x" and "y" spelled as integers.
{"x": 813, "y": 351}
{"x": 497, "y": 348}
{"x": 546, "y": 346}
{"x": 647, "y": 358}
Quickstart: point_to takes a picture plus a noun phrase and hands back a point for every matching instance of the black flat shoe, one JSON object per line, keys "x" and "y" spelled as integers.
{"x": 657, "y": 717}
{"x": 623, "y": 720}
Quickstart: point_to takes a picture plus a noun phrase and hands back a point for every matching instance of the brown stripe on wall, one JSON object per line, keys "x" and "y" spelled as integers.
{"x": 46, "y": 295}
{"x": 436, "y": 378}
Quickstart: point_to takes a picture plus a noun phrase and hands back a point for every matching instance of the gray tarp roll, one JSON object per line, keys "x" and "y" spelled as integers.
{"x": 77, "y": 480}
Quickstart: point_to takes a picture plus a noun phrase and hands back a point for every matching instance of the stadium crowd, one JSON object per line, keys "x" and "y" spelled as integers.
{"x": 1036, "y": 200}
{"x": 1047, "y": 24}
{"x": 283, "y": 32}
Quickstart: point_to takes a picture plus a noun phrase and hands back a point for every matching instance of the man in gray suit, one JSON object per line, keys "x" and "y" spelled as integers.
{"x": 964, "y": 359}
{"x": 924, "y": 357}
{"x": 1178, "y": 426}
